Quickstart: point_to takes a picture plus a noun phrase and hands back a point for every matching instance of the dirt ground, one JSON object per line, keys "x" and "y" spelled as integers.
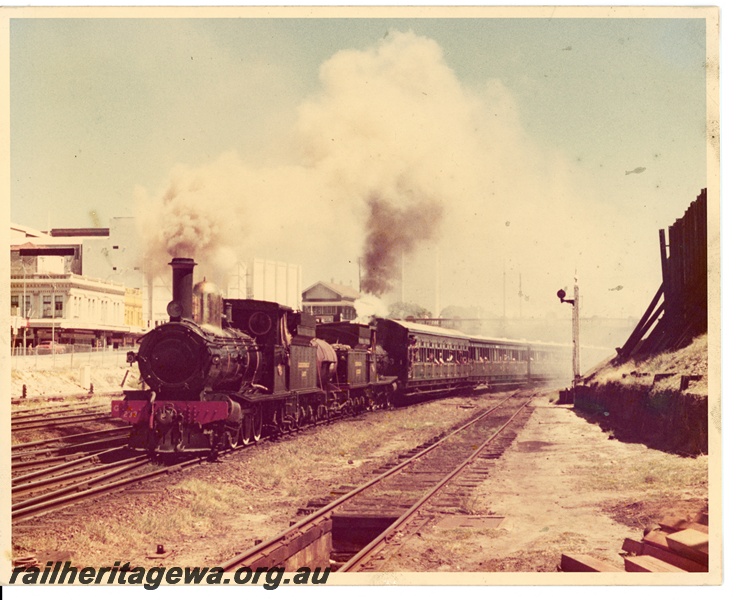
{"x": 61, "y": 382}
{"x": 563, "y": 486}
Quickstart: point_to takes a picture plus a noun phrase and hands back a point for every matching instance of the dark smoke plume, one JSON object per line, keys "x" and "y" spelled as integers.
{"x": 391, "y": 231}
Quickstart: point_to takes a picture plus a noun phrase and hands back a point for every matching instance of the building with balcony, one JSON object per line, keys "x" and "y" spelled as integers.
{"x": 69, "y": 309}
{"x": 330, "y": 302}
{"x": 74, "y": 268}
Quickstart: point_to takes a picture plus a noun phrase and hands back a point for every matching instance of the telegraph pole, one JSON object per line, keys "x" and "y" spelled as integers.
{"x": 438, "y": 285}
{"x": 504, "y": 290}
{"x": 25, "y": 313}
{"x": 360, "y": 275}
{"x": 575, "y": 334}
{"x": 520, "y": 295}
{"x": 402, "y": 276}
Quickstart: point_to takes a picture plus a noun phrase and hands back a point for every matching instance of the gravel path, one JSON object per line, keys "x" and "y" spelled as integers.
{"x": 563, "y": 486}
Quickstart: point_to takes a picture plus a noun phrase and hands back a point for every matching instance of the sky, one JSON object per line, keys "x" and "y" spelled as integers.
{"x": 482, "y": 157}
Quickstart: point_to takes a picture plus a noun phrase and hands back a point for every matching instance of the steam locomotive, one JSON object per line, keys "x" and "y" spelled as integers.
{"x": 220, "y": 374}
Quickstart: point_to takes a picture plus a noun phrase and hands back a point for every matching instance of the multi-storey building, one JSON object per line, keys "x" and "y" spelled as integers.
{"x": 330, "y": 302}
{"x": 89, "y": 285}
{"x": 69, "y": 309}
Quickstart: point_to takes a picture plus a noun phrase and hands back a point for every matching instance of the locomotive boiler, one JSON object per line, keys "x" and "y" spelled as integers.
{"x": 199, "y": 372}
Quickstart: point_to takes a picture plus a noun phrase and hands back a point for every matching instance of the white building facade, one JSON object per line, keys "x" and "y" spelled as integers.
{"x": 262, "y": 279}
{"x": 69, "y": 309}
{"x": 101, "y": 286}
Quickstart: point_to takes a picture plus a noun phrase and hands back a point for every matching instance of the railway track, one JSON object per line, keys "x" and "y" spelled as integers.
{"x": 447, "y": 495}
{"x": 399, "y": 491}
{"x": 62, "y": 397}
{"x": 61, "y": 448}
{"x": 52, "y": 474}
{"x": 58, "y": 409}
{"x": 56, "y": 473}
{"x": 60, "y": 472}
{"x": 45, "y": 422}
{"x": 36, "y": 454}
{"x": 72, "y": 488}
{"x": 42, "y": 467}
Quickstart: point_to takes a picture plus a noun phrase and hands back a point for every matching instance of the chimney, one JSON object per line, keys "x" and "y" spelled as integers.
{"x": 182, "y": 269}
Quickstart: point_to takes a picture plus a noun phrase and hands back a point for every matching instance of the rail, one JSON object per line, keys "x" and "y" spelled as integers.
{"x": 311, "y": 524}
{"x": 361, "y": 557}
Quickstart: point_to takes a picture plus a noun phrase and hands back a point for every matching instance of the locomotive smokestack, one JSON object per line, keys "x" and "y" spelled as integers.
{"x": 182, "y": 269}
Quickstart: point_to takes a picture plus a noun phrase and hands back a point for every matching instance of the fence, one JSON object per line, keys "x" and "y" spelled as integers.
{"x": 73, "y": 356}
{"x": 682, "y": 312}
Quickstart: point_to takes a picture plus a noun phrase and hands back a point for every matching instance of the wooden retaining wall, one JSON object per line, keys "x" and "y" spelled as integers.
{"x": 656, "y": 413}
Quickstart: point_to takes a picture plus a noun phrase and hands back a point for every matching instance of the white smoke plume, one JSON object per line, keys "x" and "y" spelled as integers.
{"x": 369, "y": 306}
{"x": 396, "y": 157}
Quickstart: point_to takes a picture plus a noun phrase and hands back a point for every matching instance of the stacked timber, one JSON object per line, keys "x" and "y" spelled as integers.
{"x": 675, "y": 546}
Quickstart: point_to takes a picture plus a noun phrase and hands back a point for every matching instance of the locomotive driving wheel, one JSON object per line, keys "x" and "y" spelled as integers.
{"x": 232, "y": 437}
{"x": 245, "y": 431}
{"x": 257, "y": 421}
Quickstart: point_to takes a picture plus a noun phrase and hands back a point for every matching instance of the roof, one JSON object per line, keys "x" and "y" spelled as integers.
{"x": 22, "y": 231}
{"x": 413, "y": 327}
{"x": 429, "y": 329}
{"x": 344, "y": 291}
{"x": 81, "y": 232}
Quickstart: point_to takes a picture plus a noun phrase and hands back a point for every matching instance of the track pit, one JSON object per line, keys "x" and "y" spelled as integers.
{"x": 352, "y": 532}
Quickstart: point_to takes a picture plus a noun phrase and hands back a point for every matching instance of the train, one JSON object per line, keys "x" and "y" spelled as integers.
{"x": 225, "y": 372}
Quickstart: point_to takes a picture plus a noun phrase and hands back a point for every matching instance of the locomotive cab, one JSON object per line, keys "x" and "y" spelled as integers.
{"x": 283, "y": 336}
{"x": 355, "y": 346}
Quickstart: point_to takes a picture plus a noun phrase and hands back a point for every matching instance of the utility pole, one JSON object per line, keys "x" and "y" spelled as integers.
{"x": 402, "y": 276}
{"x": 360, "y": 274}
{"x": 520, "y": 295}
{"x": 438, "y": 285}
{"x": 504, "y": 290}
{"x": 575, "y": 334}
{"x": 25, "y": 315}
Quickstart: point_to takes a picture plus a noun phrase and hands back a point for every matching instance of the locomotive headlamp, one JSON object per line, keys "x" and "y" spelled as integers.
{"x": 175, "y": 309}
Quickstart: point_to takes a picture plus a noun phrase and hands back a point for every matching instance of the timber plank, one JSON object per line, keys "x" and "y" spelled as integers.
{"x": 649, "y": 564}
{"x": 632, "y": 546}
{"x": 582, "y": 563}
{"x": 675, "y": 559}
{"x": 672, "y": 524}
{"x": 690, "y": 543}
{"x": 656, "y": 538}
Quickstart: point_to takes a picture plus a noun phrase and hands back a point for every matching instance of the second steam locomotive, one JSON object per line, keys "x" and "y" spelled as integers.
{"x": 223, "y": 373}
